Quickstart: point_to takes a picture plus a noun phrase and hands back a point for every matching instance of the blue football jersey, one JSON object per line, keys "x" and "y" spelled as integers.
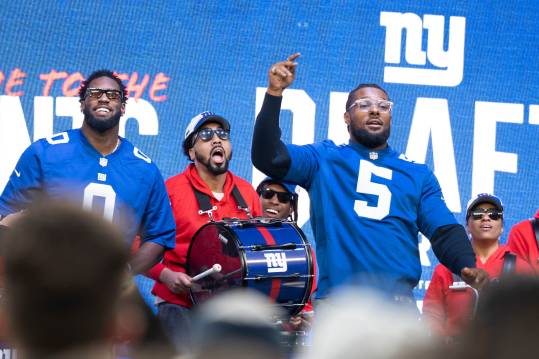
{"x": 125, "y": 186}
{"x": 367, "y": 208}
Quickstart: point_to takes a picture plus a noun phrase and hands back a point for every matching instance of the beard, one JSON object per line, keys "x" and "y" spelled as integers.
{"x": 98, "y": 124}
{"x": 212, "y": 167}
{"x": 370, "y": 140}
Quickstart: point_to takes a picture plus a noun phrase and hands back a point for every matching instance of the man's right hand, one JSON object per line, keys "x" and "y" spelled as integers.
{"x": 282, "y": 74}
{"x": 177, "y": 282}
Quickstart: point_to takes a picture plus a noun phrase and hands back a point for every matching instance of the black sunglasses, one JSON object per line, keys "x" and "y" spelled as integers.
{"x": 283, "y": 197}
{"x": 206, "y": 134}
{"x": 97, "y": 93}
{"x": 494, "y": 214}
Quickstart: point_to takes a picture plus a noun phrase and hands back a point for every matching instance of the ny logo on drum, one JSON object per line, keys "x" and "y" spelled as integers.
{"x": 445, "y": 68}
{"x": 276, "y": 262}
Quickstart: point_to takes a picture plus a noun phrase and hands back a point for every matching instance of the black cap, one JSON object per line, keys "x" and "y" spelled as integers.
{"x": 483, "y": 198}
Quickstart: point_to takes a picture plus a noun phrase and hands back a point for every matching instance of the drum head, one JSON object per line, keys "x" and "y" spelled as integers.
{"x": 213, "y": 244}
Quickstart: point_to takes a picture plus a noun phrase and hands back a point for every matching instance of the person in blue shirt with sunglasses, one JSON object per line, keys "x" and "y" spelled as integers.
{"x": 368, "y": 202}
{"x": 94, "y": 167}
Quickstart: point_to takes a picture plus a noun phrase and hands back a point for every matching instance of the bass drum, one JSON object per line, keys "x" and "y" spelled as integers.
{"x": 273, "y": 258}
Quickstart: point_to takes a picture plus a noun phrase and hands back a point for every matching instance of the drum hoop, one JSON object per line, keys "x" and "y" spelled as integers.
{"x": 310, "y": 262}
{"x": 308, "y": 253}
{"x": 221, "y": 227}
{"x": 226, "y": 227}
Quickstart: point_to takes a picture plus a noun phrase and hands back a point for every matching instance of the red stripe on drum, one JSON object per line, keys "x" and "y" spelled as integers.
{"x": 266, "y": 234}
{"x": 275, "y": 289}
{"x": 275, "y": 283}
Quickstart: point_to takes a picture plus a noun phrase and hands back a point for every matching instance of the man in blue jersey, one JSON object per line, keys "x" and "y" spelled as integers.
{"x": 368, "y": 202}
{"x": 95, "y": 167}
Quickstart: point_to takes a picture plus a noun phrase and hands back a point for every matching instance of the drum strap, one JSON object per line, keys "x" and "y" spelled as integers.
{"x": 241, "y": 202}
{"x": 205, "y": 205}
{"x": 509, "y": 263}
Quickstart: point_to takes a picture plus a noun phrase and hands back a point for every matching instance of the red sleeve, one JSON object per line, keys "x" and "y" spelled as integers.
{"x": 155, "y": 271}
{"x": 434, "y": 303}
{"x": 523, "y": 267}
{"x": 517, "y": 240}
{"x": 177, "y": 192}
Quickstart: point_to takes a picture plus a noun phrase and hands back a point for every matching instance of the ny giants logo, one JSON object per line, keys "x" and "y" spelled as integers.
{"x": 448, "y": 64}
{"x": 276, "y": 262}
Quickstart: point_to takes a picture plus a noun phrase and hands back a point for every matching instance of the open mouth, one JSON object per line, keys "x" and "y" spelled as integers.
{"x": 102, "y": 110}
{"x": 218, "y": 155}
{"x": 270, "y": 212}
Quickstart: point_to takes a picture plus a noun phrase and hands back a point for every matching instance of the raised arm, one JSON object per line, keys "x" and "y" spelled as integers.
{"x": 268, "y": 153}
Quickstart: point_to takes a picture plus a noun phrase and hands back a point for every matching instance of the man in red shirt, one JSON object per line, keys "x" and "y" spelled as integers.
{"x": 523, "y": 240}
{"x": 448, "y": 303}
{"x": 207, "y": 178}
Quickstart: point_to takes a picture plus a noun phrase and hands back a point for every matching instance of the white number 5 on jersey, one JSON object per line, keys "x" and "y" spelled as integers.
{"x": 365, "y": 185}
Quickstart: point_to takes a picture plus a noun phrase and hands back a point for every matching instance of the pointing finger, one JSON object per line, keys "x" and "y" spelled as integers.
{"x": 292, "y": 57}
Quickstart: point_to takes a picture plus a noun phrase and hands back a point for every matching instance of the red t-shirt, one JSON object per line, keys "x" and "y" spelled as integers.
{"x": 448, "y": 310}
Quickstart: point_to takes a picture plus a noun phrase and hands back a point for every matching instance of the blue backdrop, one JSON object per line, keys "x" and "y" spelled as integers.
{"x": 463, "y": 76}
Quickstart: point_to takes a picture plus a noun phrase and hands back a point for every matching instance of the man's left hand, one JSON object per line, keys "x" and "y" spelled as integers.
{"x": 282, "y": 74}
{"x": 475, "y": 277}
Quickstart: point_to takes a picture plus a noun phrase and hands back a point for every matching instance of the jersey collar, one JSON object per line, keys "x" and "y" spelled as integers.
{"x": 92, "y": 149}
{"x": 369, "y": 153}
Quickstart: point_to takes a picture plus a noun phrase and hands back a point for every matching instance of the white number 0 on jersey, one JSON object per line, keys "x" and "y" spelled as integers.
{"x": 100, "y": 190}
{"x": 365, "y": 185}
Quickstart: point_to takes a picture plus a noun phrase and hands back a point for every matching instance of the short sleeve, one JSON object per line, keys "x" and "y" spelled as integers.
{"x": 158, "y": 221}
{"x": 23, "y": 184}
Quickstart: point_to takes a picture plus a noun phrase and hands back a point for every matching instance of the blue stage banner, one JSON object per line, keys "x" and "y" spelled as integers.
{"x": 463, "y": 76}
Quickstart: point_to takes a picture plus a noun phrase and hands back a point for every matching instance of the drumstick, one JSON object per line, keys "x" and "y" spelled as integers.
{"x": 216, "y": 268}
{"x": 230, "y": 274}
